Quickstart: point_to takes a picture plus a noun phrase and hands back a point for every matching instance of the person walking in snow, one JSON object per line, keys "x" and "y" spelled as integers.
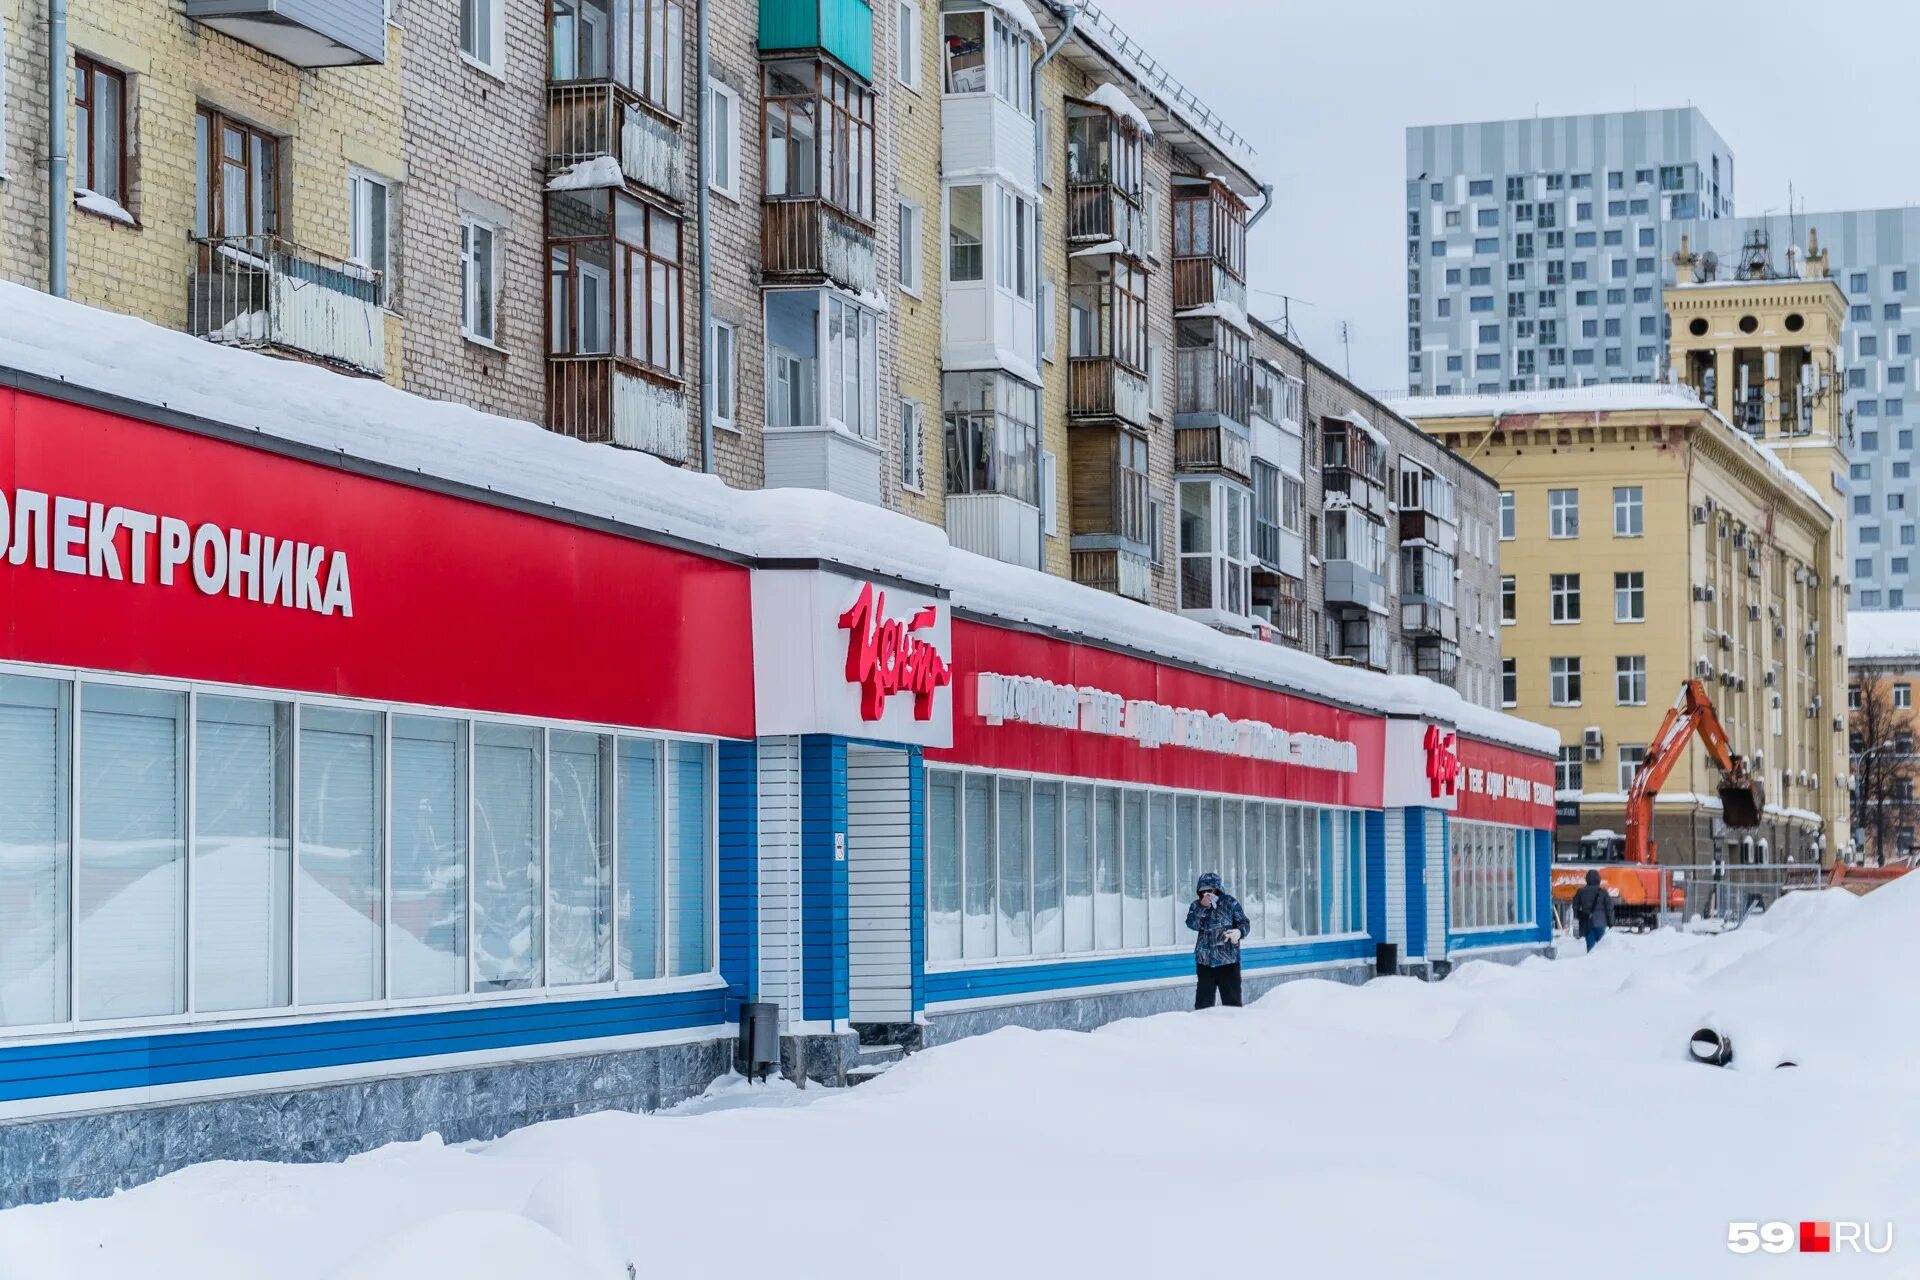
{"x": 1592, "y": 909}
{"x": 1218, "y": 924}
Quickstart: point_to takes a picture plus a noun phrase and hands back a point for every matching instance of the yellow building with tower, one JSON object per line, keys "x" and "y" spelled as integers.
{"x": 1645, "y": 540}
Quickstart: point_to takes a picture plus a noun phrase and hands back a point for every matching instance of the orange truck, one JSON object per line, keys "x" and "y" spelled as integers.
{"x": 1633, "y": 878}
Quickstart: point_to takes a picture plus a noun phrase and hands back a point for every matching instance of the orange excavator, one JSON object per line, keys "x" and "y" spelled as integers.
{"x": 1634, "y": 877}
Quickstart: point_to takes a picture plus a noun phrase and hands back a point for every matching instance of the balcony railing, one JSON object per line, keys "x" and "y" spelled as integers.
{"x": 1356, "y": 487}
{"x": 812, "y": 240}
{"x": 1201, "y": 449}
{"x": 1203, "y": 282}
{"x": 1211, "y": 381}
{"x": 1425, "y": 526}
{"x": 268, "y": 293}
{"x": 598, "y": 398}
{"x": 1428, "y": 619}
{"x": 587, "y": 119}
{"x": 1437, "y": 662}
{"x": 1100, "y": 211}
{"x": 1111, "y": 569}
{"x": 1100, "y": 388}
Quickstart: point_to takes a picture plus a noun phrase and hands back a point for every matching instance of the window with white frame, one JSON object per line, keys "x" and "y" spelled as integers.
{"x": 1021, "y": 866}
{"x": 1153, "y": 203}
{"x": 1631, "y": 754}
{"x": 1509, "y": 682}
{"x": 1490, "y": 881}
{"x": 1506, "y": 515}
{"x": 1216, "y": 548}
{"x": 369, "y": 204}
{"x": 1628, "y": 513}
{"x": 1049, "y": 494}
{"x": 966, "y": 233}
{"x": 1902, "y": 696}
{"x": 1630, "y": 680}
{"x": 1564, "y": 593}
{"x": 235, "y": 853}
{"x": 822, "y": 362}
{"x": 907, "y": 44}
{"x": 1509, "y": 601}
{"x": 480, "y": 34}
{"x": 1563, "y": 513}
{"x": 723, "y": 139}
{"x": 726, "y": 375}
{"x": 478, "y": 271}
{"x": 1630, "y": 596}
{"x": 1013, "y": 244}
{"x": 987, "y": 53}
{"x": 912, "y": 229}
{"x": 1563, "y": 681}
{"x": 992, "y": 434}
{"x": 913, "y": 446}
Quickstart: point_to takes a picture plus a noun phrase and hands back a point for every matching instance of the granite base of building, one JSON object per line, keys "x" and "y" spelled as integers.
{"x": 78, "y": 1156}
{"x": 1498, "y": 955}
{"x": 1096, "y": 1009}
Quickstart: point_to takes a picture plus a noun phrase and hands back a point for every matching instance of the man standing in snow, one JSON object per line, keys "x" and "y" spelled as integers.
{"x": 1218, "y": 923}
{"x": 1592, "y": 909}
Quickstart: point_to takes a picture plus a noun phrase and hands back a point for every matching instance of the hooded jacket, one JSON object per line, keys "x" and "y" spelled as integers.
{"x": 1210, "y": 945}
{"x": 1592, "y": 904}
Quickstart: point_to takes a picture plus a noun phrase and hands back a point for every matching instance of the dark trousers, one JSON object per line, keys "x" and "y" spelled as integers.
{"x": 1594, "y": 934}
{"x": 1221, "y": 978}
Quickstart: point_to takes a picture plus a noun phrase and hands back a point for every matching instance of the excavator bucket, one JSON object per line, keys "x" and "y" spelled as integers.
{"x": 1741, "y": 802}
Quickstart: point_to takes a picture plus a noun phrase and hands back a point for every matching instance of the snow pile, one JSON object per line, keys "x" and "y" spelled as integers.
{"x": 1537, "y": 1120}
{"x": 1114, "y": 98}
{"x": 365, "y": 419}
{"x": 1892, "y": 633}
{"x": 601, "y": 171}
{"x": 105, "y": 206}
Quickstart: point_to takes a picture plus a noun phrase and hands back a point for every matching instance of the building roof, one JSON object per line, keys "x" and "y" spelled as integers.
{"x": 1883, "y": 634}
{"x": 1613, "y": 397}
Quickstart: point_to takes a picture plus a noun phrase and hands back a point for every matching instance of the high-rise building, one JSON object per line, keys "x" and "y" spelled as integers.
{"x": 1535, "y": 247}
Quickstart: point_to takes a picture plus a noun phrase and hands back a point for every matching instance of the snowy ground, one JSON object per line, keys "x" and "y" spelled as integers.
{"x": 1537, "y": 1121}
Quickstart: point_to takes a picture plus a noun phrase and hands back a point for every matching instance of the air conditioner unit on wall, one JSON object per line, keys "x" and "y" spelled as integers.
{"x": 1753, "y": 613}
{"x": 1699, "y": 514}
{"x": 1703, "y": 668}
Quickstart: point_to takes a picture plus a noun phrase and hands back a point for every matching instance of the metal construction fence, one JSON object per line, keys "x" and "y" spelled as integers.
{"x": 1724, "y": 895}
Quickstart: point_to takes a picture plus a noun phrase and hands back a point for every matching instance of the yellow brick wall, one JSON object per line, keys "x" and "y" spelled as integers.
{"x": 917, "y": 318}
{"x": 327, "y": 119}
{"x": 1057, "y": 81}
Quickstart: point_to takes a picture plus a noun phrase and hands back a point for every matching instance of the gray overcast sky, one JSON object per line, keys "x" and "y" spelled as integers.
{"x": 1823, "y": 95}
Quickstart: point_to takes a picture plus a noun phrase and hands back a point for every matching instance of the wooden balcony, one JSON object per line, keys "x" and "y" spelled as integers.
{"x": 811, "y": 242}
{"x": 1124, "y": 573}
{"x": 605, "y": 400}
{"x": 1101, "y": 389}
{"x": 1108, "y": 501}
{"x": 587, "y": 119}
{"x": 1204, "y": 282}
{"x": 1428, "y": 620}
{"x": 1207, "y": 450}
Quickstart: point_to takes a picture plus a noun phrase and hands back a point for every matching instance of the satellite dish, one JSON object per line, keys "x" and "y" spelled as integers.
{"x": 1709, "y": 265}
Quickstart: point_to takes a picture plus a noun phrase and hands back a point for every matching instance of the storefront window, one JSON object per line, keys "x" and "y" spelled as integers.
{"x": 1490, "y": 876}
{"x": 1020, "y": 866}
{"x": 993, "y": 441}
{"x": 579, "y": 857}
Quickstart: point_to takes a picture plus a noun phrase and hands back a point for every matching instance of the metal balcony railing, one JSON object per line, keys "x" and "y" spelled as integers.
{"x": 587, "y": 119}
{"x": 811, "y": 239}
{"x": 269, "y": 293}
{"x": 1100, "y": 211}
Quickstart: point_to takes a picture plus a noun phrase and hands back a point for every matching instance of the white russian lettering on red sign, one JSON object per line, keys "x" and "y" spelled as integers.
{"x": 1029, "y": 700}
{"x": 94, "y": 540}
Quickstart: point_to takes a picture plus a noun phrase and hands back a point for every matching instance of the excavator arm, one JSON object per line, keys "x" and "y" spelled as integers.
{"x": 1691, "y": 713}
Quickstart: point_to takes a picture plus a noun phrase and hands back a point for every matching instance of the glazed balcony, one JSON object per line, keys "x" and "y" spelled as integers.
{"x": 1101, "y": 213}
{"x": 1425, "y": 619}
{"x": 606, "y": 400}
{"x": 1214, "y": 386}
{"x": 270, "y": 294}
{"x": 1101, "y": 389}
{"x": 591, "y": 119}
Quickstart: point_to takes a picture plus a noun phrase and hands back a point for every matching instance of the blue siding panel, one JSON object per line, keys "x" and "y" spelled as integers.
{"x": 739, "y": 873}
{"x": 1065, "y": 977}
{"x": 1543, "y": 885}
{"x": 1416, "y": 842}
{"x": 1375, "y": 827}
{"x": 823, "y": 878}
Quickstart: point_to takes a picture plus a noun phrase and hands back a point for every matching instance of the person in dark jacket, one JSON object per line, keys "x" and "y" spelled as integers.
{"x": 1592, "y": 909}
{"x": 1218, "y": 924}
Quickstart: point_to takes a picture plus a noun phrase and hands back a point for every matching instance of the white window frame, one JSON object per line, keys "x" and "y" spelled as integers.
{"x": 1509, "y": 670}
{"x": 1559, "y": 526}
{"x": 913, "y": 446}
{"x": 360, "y": 182}
{"x": 906, "y": 45}
{"x": 1561, "y": 672}
{"x": 1630, "y": 595}
{"x": 912, "y": 247}
{"x": 727, "y": 185}
{"x": 1629, "y": 509}
{"x": 1902, "y": 696}
{"x": 1627, "y": 677}
{"x": 826, "y": 371}
{"x": 1629, "y": 765}
{"x": 1563, "y": 593}
{"x": 726, "y": 365}
{"x": 1049, "y": 301}
{"x": 1508, "y": 515}
{"x": 1152, "y": 201}
{"x": 494, "y": 11}
{"x": 1156, "y": 375}
{"x": 1049, "y": 501}
{"x": 469, "y": 224}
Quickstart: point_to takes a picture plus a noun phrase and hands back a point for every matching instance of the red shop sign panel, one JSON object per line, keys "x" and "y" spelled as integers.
{"x": 142, "y": 548}
{"x": 1044, "y": 705}
{"x": 1504, "y": 784}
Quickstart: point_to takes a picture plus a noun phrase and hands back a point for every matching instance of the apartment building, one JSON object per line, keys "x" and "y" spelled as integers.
{"x": 1883, "y": 665}
{"x": 233, "y": 170}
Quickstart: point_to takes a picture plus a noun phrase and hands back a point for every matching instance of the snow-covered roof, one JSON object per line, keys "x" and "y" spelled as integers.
{"x": 1359, "y": 420}
{"x": 601, "y": 171}
{"x": 1016, "y": 11}
{"x": 1891, "y": 633}
{"x": 364, "y": 419}
{"x": 1114, "y": 98}
{"x": 1616, "y": 397}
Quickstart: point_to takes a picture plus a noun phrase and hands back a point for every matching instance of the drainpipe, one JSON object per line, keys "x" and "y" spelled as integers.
{"x": 706, "y": 254}
{"x": 1039, "y": 272}
{"x": 1266, "y": 203}
{"x": 57, "y": 197}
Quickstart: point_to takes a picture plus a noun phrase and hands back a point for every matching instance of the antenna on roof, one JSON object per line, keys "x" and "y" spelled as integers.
{"x": 1346, "y": 349}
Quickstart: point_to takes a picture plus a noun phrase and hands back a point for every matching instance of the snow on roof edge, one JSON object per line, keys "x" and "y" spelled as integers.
{"x": 1115, "y": 99}
{"x": 1883, "y": 633}
{"x": 362, "y": 418}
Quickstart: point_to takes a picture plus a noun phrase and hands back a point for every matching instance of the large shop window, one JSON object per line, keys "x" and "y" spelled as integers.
{"x": 1491, "y": 872}
{"x": 823, "y": 364}
{"x": 993, "y": 435}
{"x": 1021, "y": 866}
{"x": 172, "y": 853}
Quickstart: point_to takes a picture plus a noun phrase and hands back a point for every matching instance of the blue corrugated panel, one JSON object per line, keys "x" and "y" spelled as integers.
{"x": 739, "y": 872}
{"x": 1483, "y": 938}
{"x": 1416, "y": 820}
{"x": 58, "y": 1068}
{"x": 1375, "y": 826}
{"x": 823, "y": 877}
{"x": 1543, "y": 885}
{"x": 1064, "y": 978}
